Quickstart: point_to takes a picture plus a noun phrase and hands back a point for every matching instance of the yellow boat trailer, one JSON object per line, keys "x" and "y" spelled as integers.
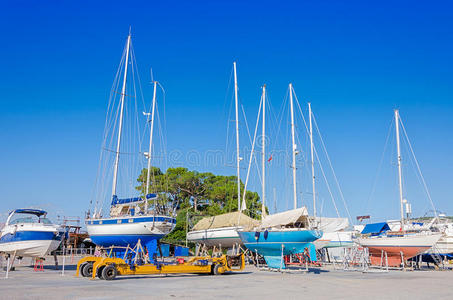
{"x": 109, "y": 267}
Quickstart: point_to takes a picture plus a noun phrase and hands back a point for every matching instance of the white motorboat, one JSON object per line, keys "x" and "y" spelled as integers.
{"x": 28, "y": 233}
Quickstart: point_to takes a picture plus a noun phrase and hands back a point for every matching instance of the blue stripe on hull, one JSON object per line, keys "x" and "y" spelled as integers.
{"x": 270, "y": 246}
{"x": 124, "y": 240}
{"x": 130, "y": 220}
{"x": 29, "y": 236}
{"x": 338, "y": 244}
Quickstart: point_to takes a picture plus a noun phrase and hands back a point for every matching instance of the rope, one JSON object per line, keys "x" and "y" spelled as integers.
{"x": 418, "y": 168}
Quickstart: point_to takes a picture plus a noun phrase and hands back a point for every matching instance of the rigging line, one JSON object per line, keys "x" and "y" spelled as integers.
{"x": 331, "y": 168}
{"x": 106, "y": 122}
{"x": 327, "y": 183}
{"x": 251, "y": 152}
{"x": 319, "y": 161}
{"x": 250, "y": 139}
{"x": 126, "y": 153}
{"x": 373, "y": 189}
{"x": 229, "y": 111}
{"x": 327, "y": 156}
{"x": 163, "y": 124}
{"x": 280, "y": 117}
{"x": 418, "y": 168}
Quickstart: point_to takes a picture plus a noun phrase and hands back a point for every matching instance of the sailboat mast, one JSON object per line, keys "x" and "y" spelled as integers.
{"x": 120, "y": 127}
{"x": 312, "y": 160}
{"x": 148, "y": 174}
{"x": 263, "y": 154}
{"x": 238, "y": 159}
{"x": 293, "y": 146}
{"x": 400, "y": 175}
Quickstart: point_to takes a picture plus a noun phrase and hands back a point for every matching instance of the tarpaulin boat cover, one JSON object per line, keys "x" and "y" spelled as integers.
{"x": 285, "y": 218}
{"x": 332, "y": 224}
{"x": 376, "y": 228}
{"x": 225, "y": 220}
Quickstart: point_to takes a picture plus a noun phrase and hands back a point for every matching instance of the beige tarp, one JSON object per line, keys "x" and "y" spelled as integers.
{"x": 285, "y": 218}
{"x": 332, "y": 224}
{"x": 225, "y": 220}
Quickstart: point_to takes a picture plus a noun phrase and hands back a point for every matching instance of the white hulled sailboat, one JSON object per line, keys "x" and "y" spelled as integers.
{"x": 128, "y": 222}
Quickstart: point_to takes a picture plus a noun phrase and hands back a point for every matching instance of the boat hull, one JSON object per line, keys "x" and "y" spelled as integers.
{"x": 275, "y": 243}
{"x": 128, "y": 231}
{"x": 398, "y": 248}
{"x": 338, "y": 239}
{"x": 321, "y": 243}
{"x": 224, "y": 237}
{"x": 30, "y": 243}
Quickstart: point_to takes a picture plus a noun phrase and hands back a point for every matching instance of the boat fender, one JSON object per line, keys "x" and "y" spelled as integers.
{"x": 266, "y": 233}
{"x": 257, "y": 235}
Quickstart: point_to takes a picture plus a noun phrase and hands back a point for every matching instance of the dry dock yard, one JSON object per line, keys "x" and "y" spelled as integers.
{"x": 319, "y": 283}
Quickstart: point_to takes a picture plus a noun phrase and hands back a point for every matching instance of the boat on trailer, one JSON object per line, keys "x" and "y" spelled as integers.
{"x": 130, "y": 220}
{"x": 28, "y": 233}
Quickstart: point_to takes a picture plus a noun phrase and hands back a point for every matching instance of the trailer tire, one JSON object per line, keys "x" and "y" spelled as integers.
{"x": 99, "y": 272}
{"x": 81, "y": 268}
{"x": 109, "y": 272}
{"x": 87, "y": 270}
{"x": 216, "y": 269}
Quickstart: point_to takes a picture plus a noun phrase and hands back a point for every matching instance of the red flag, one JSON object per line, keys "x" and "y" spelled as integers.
{"x": 270, "y": 158}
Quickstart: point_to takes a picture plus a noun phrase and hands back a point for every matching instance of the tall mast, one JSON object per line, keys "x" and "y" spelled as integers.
{"x": 238, "y": 158}
{"x": 400, "y": 175}
{"x": 293, "y": 146}
{"x": 120, "y": 127}
{"x": 148, "y": 174}
{"x": 263, "y": 154}
{"x": 312, "y": 160}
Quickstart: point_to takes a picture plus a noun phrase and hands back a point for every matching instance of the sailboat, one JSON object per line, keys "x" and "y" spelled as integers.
{"x": 284, "y": 233}
{"x": 130, "y": 219}
{"x": 221, "y": 230}
{"x": 400, "y": 245}
{"x": 334, "y": 229}
{"x": 28, "y": 233}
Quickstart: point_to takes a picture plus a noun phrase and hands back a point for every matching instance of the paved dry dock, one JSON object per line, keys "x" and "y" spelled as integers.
{"x": 251, "y": 284}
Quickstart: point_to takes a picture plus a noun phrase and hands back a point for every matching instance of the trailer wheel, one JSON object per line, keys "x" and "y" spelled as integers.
{"x": 81, "y": 268}
{"x": 87, "y": 270}
{"x": 109, "y": 272}
{"x": 218, "y": 269}
{"x": 99, "y": 272}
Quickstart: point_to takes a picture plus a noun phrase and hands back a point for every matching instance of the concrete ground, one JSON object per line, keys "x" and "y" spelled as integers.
{"x": 318, "y": 283}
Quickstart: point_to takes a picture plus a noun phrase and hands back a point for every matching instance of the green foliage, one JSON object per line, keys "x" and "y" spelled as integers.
{"x": 196, "y": 193}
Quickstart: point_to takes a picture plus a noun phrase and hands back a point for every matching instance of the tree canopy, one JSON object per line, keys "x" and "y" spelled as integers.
{"x": 197, "y": 193}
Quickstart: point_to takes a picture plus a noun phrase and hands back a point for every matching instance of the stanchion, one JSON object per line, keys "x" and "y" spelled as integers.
{"x": 7, "y": 268}
{"x": 281, "y": 261}
{"x": 64, "y": 260}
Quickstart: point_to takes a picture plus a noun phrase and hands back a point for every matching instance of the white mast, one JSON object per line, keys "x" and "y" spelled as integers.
{"x": 400, "y": 175}
{"x": 263, "y": 155}
{"x": 312, "y": 160}
{"x": 294, "y": 146}
{"x": 120, "y": 127}
{"x": 148, "y": 174}
{"x": 238, "y": 158}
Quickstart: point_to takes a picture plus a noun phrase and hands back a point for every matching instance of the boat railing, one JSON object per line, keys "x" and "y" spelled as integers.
{"x": 69, "y": 251}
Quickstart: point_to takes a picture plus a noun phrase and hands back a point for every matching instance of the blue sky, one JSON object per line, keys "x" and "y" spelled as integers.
{"x": 355, "y": 61}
